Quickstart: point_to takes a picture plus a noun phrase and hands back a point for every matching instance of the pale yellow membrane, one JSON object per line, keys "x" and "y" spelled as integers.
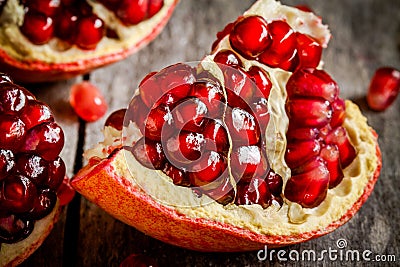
{"x": 17, "y": 46}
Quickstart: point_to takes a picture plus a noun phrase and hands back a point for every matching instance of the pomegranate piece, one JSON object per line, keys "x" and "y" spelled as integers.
{"x": 249, "y": 36}
{"x": 216, "y": 137}
{"x": 282, "y": 46}
{"x": 12, "y": 132}
{"x": 36, "y": 113}
{"x": 300, "y": 152}
{"x": 17, "y": 194}
{"x": 309, "y": 112}
{"x": 116, "y": 119}
{"x": 210, "y": 167}
{"x": 312, "y": 83}
{"x": 90, "y": 30}
{"x": 190, "y": 115}
{"x": 229, "y": 58}
{"x": 43, "y": 204}
{"x": 87, "y": 101}
{"x": 254, "y": 192}
{"x": 243, "y": 127}
{"x": 158, "y": 123}
{"x": 331, "y": 156}
{"x": 338, "y": 112}
{"x": 384, "y": 88}
{"x": 38, "y": 28}
{"x": 149, "y": 153}
{"x": 211, "y": 94}
{"x": 248, "y": 162}
{"x": 7, "y": 163}
{"x": 14, "y": 229}
{"x": 179, "y": 176}
{"x": 139, "y": 260}
{"x": 309, "y": 51}
{"x": 308, "y": 188}
{"x": 262, "y": 81}
{"x": 46, "y": 140}
{"x": 338, "y": 137}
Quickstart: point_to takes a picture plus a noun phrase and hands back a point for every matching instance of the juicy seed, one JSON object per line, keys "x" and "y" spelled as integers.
{"x": 210, "y": 167}
{"x": 36, "y": 113}
{"x": 384, "y": 88}
{"x": 300, "y": 152}
{"x": 216, "y": 137}
{"x": 229, "y": 58}
{"x": 12, "y": 99}
{"x": 38, "y": 28}
{"x": 149, "y": 153}
{"x": 309, "y": 112}
{"x": 261, "y": 79}
{"x": 90, "y": 30}
{"x": 301, "y": 134}
{"x": 250, "y": 36}
{"x": 179, "y": 177}
{"x": 239, "y": 88}
{"x": 338, "y": 112}
{"x": 185, "y": 148}
{"x": 224, "y": 193}
{"x": 248, "y": 162}
{"x": 43, "y": 204}
{"x": 190, "y": 115}
{"x": 14, "y": 229}
{"x": 7, "y": 163}
{"x": 331, "y": 156}
{"x": 34, "y": 167}
{"x": 211, "y": 94}
{"x": 17, "y": 194}
{"x": 254, "y": 192}
{"x": 243, "y": 128}
{"x": 338, "y": 137}
{"x": 116, "y": 119}
{"x": 261, "y": 112}
{"x": 274, "y": 182}
{"x": 309, "y": 51}
{"x": 12, "y": 132}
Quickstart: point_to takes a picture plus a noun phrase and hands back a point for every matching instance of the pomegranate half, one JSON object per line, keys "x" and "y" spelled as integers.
{"x": 33, "y": 185}
{"x": 52, "y": 40}
{"x": 251, "y": 147}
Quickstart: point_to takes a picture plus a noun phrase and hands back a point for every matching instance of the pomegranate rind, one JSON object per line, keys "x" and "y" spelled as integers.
{"x": 31, "y": 71}
{"x": 15, "y": 254}
{"x": 119, "y": 195}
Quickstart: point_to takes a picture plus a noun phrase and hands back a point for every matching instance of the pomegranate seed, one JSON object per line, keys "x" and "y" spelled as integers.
{"x": 132, "y": 12}
{"x": 12, "y": 132}
{"x": 67, "y": 25}
{"x": 282, "y": 46}
{"x": 338, "y": 112}
{"x": 17, "y": 194}
{"x": 243, "y": 127}
{"x": 338, "y": 137}
{"x": 274, "y": 182}
{"x": 56, "y": 173}
{"x": 116, "y": 119}
{"x": 312, "y": 83}
{"x": 309, "y": 51}
{"x": 32, "y": 166}
{"x": 139, "y": 260}
{"x": 211, "y": 94}
{"x": 14, "y": 229}
{"x": 43, "y": 204}
{"x": 261, "y": 112}
{"x": 223, "y": 193}
{"x": 65, "y": 192}
{"x": 185, "y": 147}
{"x": 7, "y": 163}
{"x": 384, "y": 88}
{"x": 178, "y": 176}
{"x": 261, "y": 79}
{"x": 137, "y": 112}
{"x": 304, "y": 8}
{"x": 90, "y": 30}
{"x": 309, "y": 112}
{"x": 177, "y": 80}
{"x": 210, "y": 167}
{"x": 239, "y": 84}
{"x": 222, "y": 34}
{"x": 309, "y": 188}
{"x": 250, "y": 36}
{"x": 12, "y": 99}
{"x": 301, "y": 134}
{"x": 159, "y": 123}
{"x": 248, "y": 162}
{"x": 190, "y": 115}
{"x": 229, "y": 58}
{"x": 149, "y": 88}
{"x": 292, "y": 63}
{"x": 46, "y": 140}
{"x": 300, "y": 152}
{"x": 149, "y": 153}
{"x": 154, "y": 7}
{"x": 37, "y": 28}
{"x": 36, "y": 113}
{"x": 87, "y": 101}
{"x": 47, "y": 7}
{"x": 216, "y": 137}
{"x": 254, "y": 192}
{"x": 331, "y": 156}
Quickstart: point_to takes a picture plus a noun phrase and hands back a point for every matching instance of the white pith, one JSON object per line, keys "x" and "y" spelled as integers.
{"x": 17, "y": 46}
{"x": 291, "y": 218}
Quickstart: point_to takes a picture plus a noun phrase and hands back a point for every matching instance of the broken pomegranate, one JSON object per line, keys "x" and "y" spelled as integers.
{"x": 250, "y": 147}
{"x": 47, "y": 40}
{"x": 384, "y": 88}
{"x": 31, "y": 171}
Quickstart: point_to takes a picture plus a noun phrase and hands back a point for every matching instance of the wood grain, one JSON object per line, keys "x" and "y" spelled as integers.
{"x": 366, "y": 35}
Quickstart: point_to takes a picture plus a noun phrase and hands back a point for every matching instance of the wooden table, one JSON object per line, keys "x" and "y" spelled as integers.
{"x": 366, "y": 35}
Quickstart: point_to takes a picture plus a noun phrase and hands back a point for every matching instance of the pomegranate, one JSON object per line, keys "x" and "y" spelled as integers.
{"x": 31, "y": 172}
{"x": 47, "y": 40}
{"x": 254, "y": 148}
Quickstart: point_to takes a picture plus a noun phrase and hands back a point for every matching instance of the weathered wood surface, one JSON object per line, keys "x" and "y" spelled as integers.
{"x": 366, "y": 35}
